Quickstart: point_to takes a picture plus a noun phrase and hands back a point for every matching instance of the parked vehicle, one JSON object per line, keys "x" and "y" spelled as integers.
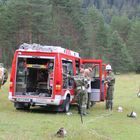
{"x": 37, "y": 77}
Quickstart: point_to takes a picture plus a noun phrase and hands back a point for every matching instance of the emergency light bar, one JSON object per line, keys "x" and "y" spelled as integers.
{"x": 40, "y": 48}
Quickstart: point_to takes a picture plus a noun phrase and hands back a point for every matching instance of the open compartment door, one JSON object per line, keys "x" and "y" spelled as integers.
{"x": 98, "y": 91}
{"x": 104, "y": 90}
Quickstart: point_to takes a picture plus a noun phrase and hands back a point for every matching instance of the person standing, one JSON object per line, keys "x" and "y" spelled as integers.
{"x": 110, "y": 82}
{"x": 81, "y": 92}
{"x": 87, "y": 74}
{"x": 3, "y": 75}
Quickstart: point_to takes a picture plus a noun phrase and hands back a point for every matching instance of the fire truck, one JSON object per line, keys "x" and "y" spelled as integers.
{"x": 38, "y": 79}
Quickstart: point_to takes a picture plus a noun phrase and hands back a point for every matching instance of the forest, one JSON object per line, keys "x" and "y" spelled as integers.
{"x": 99, "y": 29}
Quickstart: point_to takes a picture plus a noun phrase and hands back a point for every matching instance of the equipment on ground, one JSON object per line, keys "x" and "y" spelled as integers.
{"x": 120, "y": 109}
{"x": 61, "y": 132}
{"x": 132, "y": 114}
{"x": 138, "y": 94}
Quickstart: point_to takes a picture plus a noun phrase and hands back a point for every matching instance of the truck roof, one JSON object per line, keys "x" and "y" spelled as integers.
{"x": 44, "y": 48}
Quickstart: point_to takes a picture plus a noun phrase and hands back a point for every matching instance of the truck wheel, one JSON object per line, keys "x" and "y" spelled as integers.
{"x": 66, "y": 104}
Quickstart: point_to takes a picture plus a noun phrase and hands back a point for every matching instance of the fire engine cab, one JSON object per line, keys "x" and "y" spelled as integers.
{"x": 38, "y": 79}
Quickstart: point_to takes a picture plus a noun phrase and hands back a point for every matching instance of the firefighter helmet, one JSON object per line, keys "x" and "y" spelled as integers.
{"x": 132, "y": 114}
{"x": 138, "y": 94}
{"x": 120, "y": 109}
{"x": 108, "y": 67}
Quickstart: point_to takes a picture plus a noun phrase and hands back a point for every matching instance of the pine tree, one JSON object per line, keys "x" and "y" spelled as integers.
{"x": 134, "y": 44}
{"x": 93, "y": 23}
{"x": 118, "y": 54}
{"x": 122, "y": 25}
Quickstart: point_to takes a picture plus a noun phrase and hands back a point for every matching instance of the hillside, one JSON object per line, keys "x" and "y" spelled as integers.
{"x": 109, "y": 8}
{"x": 98, "y": 29}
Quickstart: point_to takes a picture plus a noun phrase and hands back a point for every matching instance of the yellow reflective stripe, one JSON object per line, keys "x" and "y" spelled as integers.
{"x": 35, "y": 66}
{"x": 29, "y": 65}
{"x": 42, "y": 66}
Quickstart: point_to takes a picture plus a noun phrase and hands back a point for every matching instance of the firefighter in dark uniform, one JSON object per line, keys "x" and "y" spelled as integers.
{"x": 3, "y": 75}
{"x": 110, "y": 82}
{"x": 81, "y": 92}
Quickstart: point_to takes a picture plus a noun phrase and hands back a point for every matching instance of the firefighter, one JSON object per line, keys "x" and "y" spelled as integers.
{"x": 110, "y": 81}
{"x": 81, "y": 92}
{"x": 3, "y": 75}
{"x": 88, "y": 75}
{"x": 81, "y": 96}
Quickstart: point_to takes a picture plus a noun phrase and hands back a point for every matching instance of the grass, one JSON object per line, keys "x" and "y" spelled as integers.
{"x": 100, "y": 124}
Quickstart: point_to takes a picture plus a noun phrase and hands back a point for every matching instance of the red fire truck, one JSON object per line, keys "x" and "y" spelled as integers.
{"x": 38, "y": 79}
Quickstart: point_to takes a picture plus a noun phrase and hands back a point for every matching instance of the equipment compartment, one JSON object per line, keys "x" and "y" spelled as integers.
{"x": 34, "y": 76}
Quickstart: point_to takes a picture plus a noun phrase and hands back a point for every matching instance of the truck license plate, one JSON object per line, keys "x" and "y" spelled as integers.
{"x": 22, "y": 99}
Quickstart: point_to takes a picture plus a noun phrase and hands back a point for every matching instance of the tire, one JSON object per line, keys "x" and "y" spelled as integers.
{"x": 66, "y": 105}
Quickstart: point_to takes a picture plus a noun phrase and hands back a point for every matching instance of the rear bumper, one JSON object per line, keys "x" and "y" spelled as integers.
{"x": 36, "y": 100}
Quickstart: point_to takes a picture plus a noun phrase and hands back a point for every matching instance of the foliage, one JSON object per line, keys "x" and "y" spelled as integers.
{"x": 84, "y": 26}
{"x": 134, "y": 44}
{"x": 92, "y": 23}
{"x": 122, "y": 25}
{"x": 110, "y": 8}
{"x": 118, "y": 54}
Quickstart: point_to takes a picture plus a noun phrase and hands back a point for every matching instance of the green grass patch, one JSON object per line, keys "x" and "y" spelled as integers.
{"x": 100, "y": 124}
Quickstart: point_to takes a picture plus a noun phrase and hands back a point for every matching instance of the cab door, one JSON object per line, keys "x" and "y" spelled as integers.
{"x": 98, "y": 91}
{"x": 67, "y": 69}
